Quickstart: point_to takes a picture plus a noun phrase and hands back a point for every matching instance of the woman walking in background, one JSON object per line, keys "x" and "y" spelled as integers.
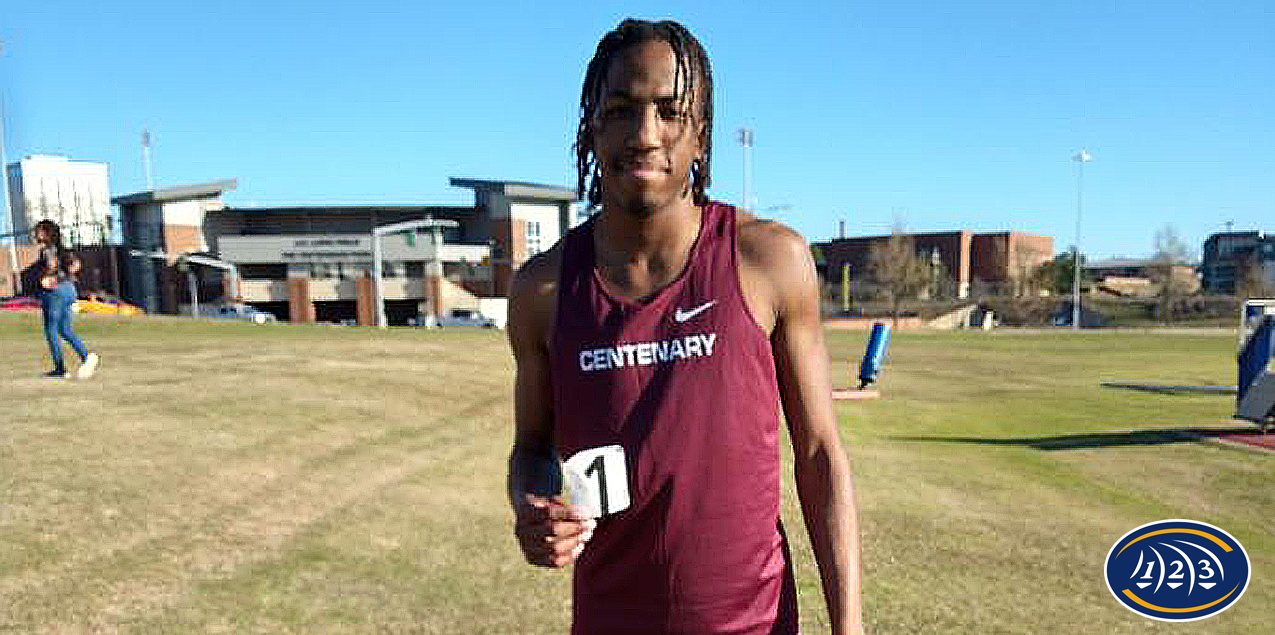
{"x": 57, "y": 294}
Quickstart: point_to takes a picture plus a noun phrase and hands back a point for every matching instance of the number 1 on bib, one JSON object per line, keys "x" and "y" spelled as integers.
{"x": 598, "y": 480}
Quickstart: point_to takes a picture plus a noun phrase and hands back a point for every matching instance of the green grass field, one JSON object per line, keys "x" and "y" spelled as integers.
{"x": 226, "y": 478}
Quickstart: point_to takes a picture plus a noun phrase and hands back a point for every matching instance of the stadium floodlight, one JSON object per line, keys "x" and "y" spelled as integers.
{"x": 1081, "y": 158}
{"x": 436, "y": 225}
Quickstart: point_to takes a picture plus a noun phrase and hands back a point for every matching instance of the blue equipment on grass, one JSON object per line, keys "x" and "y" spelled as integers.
{"x": 1255, "y": 391}
{"x": 871, "y": 365}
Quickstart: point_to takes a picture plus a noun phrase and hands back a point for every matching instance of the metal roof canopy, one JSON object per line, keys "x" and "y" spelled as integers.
{"x": 519, "y": 189}
{"x": 179, "y": 193}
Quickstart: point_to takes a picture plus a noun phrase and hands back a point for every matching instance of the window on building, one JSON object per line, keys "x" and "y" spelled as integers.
{"x": 534, "y": 244}
{"x": 264, "y": 271}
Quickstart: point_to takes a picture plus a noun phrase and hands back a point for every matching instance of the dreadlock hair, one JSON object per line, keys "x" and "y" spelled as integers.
{"x": 693, "y": 81}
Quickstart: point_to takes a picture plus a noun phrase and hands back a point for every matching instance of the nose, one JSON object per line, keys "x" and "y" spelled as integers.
{"x": 648, "y": 128}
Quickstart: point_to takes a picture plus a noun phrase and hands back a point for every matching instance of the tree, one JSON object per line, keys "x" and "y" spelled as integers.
{"x": 1250, "y": 276}
{"x": 896, "y": 269}
{"x": 1055, "y": 275}
{"x": 1167, "y": 264}
{"x": 1023, "y": 262}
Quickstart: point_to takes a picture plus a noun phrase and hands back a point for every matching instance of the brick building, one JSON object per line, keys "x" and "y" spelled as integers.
{"x": 991, "y": 262}
{"x": 1230, "y": 257}
{"x": 314, "y": 263}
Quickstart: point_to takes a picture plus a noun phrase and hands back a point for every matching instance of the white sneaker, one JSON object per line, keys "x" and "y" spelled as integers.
{"x": 87, "y": 368}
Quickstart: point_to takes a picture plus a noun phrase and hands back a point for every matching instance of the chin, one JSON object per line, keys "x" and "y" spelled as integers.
{"x": 643, "y": 201}
{"x": 643, "y": 205}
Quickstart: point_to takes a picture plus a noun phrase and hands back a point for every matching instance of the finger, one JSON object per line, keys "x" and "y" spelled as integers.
{"x": 555, "y": 554}
{"x": 567, "y": 551}
{"x": 560, "y": 511}
{"x": 537, "y": 550}
{"x": 570, "y": 528}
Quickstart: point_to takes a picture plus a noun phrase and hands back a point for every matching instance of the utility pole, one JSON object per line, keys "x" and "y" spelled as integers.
{"x": 7, "y": 210}
{"x": 746, "y": 140}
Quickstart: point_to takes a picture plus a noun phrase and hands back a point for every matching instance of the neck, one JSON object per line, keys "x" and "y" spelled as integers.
{"x": 630, "y": 235}
{"x": 637, "y": 255}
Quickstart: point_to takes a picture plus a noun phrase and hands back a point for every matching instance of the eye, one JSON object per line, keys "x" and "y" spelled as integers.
{"x": 672, "y": 113}
{"x": 617, "y": 111}
{"x": 670, "y": 110}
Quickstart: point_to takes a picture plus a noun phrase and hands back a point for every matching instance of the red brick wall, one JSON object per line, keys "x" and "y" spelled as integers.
{"x": 300, "y": 306}
{"x": 364, "y": 301}
{"x": 183, "y": 239}
{"x": 1003, "y": 257}
{"x": 11, "y": 271}
{"x": 991, "y": 258}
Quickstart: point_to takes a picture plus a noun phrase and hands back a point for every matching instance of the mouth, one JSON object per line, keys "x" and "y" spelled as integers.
{"x": 640, "y": 169}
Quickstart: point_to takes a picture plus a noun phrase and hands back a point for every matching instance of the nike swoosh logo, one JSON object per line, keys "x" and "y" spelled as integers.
{"x": 681, "y": 316}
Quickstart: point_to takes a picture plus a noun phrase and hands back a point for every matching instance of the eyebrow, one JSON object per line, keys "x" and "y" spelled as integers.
{"x": 620, "y": 93}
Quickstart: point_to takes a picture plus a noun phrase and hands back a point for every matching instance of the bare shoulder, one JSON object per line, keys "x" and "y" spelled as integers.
{"x": 538, "y": 277}
{"x": 772, "y": 247}
{"x": 533, "y": 295}
{"x": 776, "y": 270}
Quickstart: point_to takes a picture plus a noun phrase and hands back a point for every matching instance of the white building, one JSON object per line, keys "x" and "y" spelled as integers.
{"x": 74, "y": 194}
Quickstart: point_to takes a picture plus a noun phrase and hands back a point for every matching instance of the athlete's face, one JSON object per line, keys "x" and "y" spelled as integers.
{"x": 644, "y": 136}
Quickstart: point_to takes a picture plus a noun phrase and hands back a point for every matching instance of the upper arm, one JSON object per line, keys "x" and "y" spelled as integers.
{"x": 791, "y": 283}
{"x": 531, "y": 301}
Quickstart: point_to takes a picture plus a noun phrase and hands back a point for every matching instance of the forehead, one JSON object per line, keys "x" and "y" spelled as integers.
{"x": 646, "y": 69}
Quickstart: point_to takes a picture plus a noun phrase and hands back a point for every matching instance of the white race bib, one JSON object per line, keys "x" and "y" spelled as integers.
{"x": 597, "y": 479}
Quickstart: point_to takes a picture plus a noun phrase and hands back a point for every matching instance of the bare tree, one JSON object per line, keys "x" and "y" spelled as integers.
{"x": 1250, "y": 278}
{"x": 1024, "y": 259}
{"x": 1167, "y": 271}
{"x": 897, "y": 270}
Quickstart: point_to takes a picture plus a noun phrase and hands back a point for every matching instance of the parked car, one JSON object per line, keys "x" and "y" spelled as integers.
{"x": 19, "y": 303}
{"x": 465, "y": 317}
{"x": 104, "y": 304}
{"x": 242, "y": 312}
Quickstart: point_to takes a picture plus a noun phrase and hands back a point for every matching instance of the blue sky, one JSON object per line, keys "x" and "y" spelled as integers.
{"x": 940, "y": 115}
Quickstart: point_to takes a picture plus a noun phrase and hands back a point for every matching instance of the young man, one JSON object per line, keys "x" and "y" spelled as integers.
{"x": 655, "y": 345}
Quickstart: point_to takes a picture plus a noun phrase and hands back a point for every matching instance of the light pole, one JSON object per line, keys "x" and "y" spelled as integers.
{"x": 146, "y": 160}
{"x": 7, "y": 211}
{"x": 746, "y": 140}
{"x": 1081, "y": 158}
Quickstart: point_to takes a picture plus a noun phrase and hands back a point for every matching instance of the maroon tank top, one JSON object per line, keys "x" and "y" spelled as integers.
{"x": 685, "y": 383}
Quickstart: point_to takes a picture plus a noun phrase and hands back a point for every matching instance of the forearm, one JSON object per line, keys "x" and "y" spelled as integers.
{"x": 825, "y": 488}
